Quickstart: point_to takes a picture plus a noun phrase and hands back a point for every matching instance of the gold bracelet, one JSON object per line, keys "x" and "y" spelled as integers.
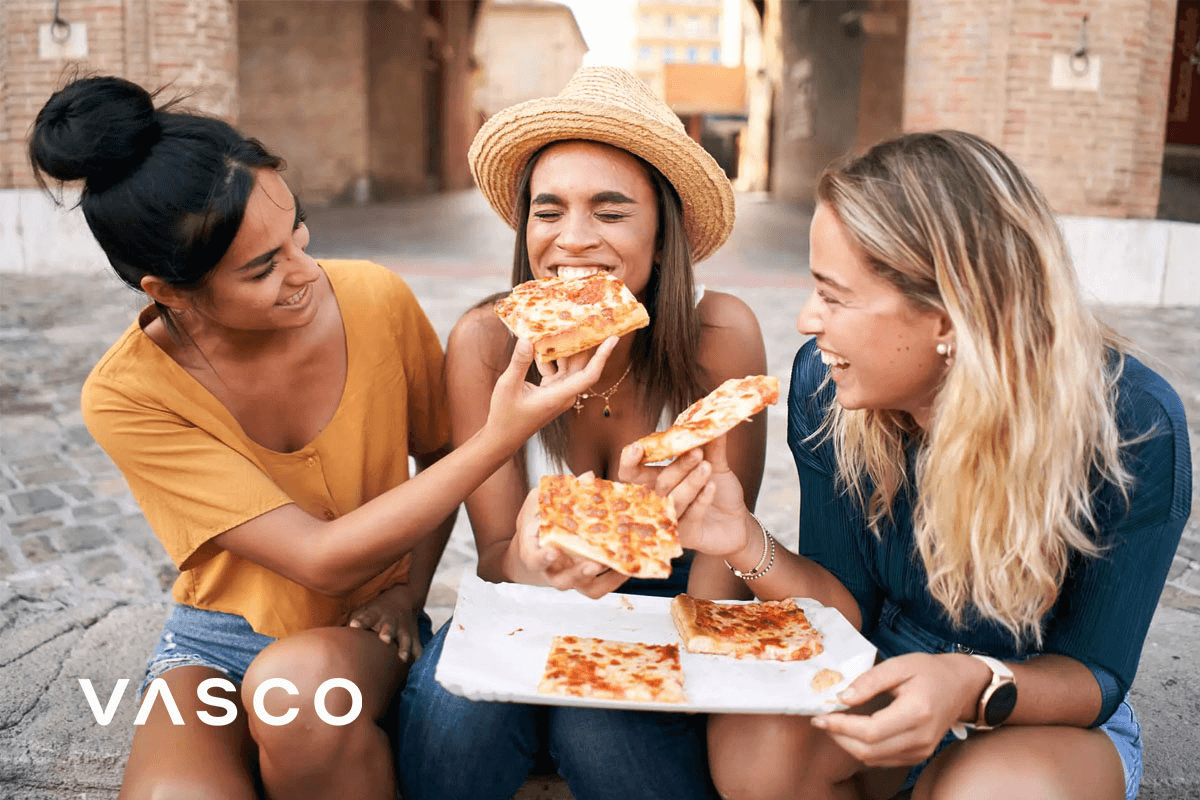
{"x": 768, "y": 556}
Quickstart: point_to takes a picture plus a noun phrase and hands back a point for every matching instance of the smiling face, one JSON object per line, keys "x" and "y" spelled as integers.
{"x": 880, "y": 347}
{"x": 592, "y": 207}
{"x": 265, "y": 281}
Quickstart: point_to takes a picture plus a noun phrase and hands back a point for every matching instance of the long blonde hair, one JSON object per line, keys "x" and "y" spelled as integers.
{"x": 1024, "y": 420}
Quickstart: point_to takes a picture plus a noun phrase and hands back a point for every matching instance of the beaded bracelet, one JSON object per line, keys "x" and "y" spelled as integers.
{"x": 768, "y": 556}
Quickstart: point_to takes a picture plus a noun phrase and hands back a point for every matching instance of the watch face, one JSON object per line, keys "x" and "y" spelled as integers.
{"x": 1000, "y": 704}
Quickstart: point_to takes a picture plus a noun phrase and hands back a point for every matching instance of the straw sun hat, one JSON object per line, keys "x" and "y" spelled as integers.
{"x": 606, "y": 104}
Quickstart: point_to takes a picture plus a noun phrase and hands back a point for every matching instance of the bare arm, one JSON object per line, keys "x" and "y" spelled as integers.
{"x": 427, "y": 554}
{"x": 336, "y": 557}
{"x": 503, "y": 504}
{"x": 731, "y": 346}
{"x": 475, "y": 357}
{"x": 393, "y": 613}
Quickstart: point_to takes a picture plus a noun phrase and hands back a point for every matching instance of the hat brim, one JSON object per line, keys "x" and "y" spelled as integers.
{"x": 507, "y": 140}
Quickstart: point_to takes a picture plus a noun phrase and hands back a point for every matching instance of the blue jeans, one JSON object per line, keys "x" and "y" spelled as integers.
{"x": 896, "y": 635}
{"x": 450, "y": 747}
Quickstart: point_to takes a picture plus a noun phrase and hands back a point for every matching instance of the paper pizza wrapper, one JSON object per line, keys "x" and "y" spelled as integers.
{"x": 500, "y": 635}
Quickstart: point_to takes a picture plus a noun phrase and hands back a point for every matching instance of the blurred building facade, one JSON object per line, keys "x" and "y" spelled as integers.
{"x": 675, "y": 32}
{"x": 679, "y": 51}
{"x": 524, "y": 49}
{"x": 364, "y": 98}
{"x": 1076, "y": 91}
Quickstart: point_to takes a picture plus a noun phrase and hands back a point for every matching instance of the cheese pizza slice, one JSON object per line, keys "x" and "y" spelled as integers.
{"x": 627, "y": 527}
{"x": 600, "y": 668}
{"x": 734, "y": 401}
{"x": 565, "y": 316}
{"x": 772, "y": 630}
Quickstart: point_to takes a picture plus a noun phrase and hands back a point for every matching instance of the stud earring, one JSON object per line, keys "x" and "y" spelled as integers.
{"x": 947, "y": 350}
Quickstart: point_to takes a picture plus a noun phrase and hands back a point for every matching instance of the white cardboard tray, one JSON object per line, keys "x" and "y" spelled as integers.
{"x": 500, "y": 636}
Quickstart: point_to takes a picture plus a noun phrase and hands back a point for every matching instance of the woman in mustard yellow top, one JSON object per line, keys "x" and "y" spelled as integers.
{"x": 263, "y": 410}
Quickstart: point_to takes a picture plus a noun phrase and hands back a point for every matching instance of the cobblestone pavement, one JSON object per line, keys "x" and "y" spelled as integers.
{"x": 84, "y": 582}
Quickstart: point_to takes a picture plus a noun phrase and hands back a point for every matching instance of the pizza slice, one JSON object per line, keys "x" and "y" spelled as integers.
{"x": 627, "y": 527}
{"x": 605, "y": 669}
{"x": 565, "y": 316}
{"x": 734, "y": 401}
{"x": 772, "y": 630}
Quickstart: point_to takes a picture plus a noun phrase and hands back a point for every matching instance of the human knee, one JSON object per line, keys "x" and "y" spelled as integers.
{"x": 305, "y": 660}
{"x": 300, "y": 683}
{"x": 991, "y": 778}
{"x": 758, "y": 758}
{"x": 745, "y": 782}
{"x": 178, "y": 786}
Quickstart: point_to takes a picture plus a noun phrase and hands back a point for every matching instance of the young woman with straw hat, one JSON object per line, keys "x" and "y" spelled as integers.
{"x": 601, "y": 177}
{"x": 992, "y": 490}
{"x": 262, "y": 409}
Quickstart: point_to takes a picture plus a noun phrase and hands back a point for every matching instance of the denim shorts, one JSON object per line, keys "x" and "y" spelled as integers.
{"x": 197, "y": 637}
{"x": 896, "y": 635}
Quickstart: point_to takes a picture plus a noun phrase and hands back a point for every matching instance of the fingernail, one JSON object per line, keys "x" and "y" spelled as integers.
{"x": 818, "y": 722}
{"x": 847, "y": 695}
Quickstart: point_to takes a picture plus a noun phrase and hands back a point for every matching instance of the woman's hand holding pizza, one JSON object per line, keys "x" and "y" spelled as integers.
{"x": 519, "y": 408}
{"x": 707, "y": 495}
{"x": 528, "y": 562}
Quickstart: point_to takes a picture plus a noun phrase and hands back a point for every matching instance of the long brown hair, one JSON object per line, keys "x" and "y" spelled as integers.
{"x": 666, "y": 367}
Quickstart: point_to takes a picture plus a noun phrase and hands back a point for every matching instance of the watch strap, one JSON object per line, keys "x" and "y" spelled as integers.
{"x": 1002, "y": 675}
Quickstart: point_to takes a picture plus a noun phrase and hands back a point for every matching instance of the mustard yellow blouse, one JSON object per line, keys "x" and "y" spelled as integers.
{"x": 195, "y": 473}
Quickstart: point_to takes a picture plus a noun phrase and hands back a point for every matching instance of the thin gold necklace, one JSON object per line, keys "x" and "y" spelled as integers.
{"x": 606, "y": 394}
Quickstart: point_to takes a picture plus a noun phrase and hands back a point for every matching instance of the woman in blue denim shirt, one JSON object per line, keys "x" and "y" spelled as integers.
{"x": 991, "y": 490}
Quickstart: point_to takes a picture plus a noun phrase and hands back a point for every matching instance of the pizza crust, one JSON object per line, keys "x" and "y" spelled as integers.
{"x": 733, "y": 402}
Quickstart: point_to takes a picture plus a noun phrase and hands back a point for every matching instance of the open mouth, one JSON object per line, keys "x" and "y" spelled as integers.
{"x": 297, "y": 298}
{"x": 833, "y": 361}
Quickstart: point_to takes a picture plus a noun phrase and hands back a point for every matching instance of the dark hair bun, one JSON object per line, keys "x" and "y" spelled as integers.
{"x": 98, "y": 129}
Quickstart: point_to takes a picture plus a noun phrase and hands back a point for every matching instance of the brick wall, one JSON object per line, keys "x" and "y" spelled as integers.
{"x": 302, "y": 78}
{"x": 987, "y": 68}
{"x": 525, "y": 52}
{"x": 189, "y": 44}
{"x": 399, "y": 152}
{"x": 881, "y": 91}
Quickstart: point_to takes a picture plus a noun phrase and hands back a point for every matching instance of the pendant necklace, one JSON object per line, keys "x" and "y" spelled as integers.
{"x": 606, "y": 394}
